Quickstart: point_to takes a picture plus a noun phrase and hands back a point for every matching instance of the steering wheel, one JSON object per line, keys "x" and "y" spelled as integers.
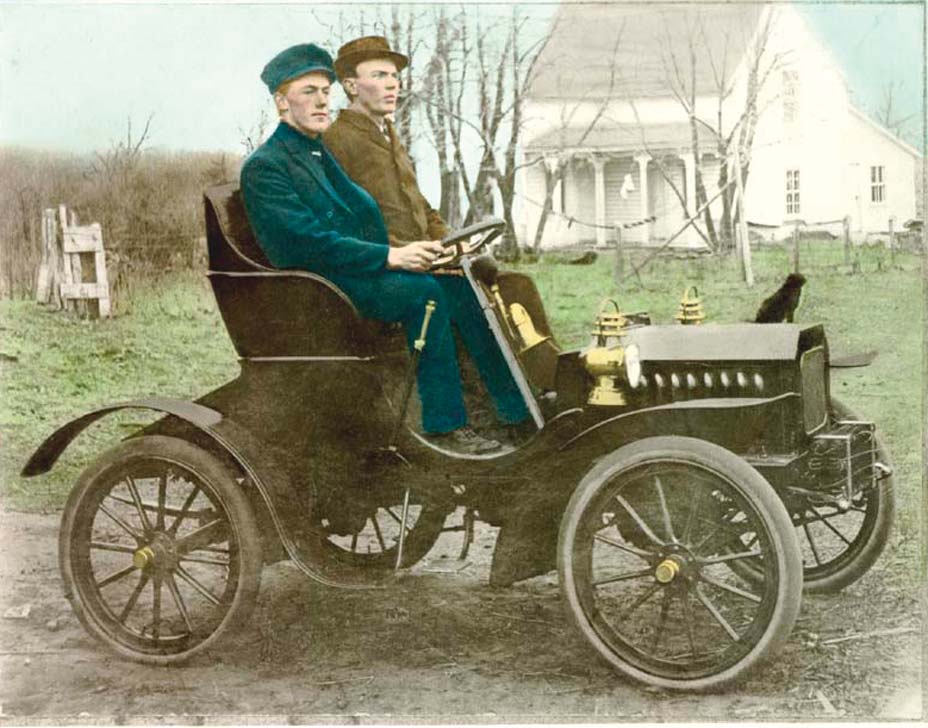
{"x": 468, "y": 241}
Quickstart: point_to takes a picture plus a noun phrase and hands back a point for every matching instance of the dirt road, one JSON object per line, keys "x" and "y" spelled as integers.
{"x": 439, "y": 645}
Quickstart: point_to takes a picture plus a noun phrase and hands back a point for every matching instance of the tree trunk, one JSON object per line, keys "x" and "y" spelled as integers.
{"x": 551, "y": 179}
{"x": 726, "y": 237}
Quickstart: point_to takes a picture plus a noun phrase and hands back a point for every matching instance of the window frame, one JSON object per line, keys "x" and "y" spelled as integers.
{"x": 790, "y": 79}
{"x": 878, "y": 186}
{"x": 793, "y": 190}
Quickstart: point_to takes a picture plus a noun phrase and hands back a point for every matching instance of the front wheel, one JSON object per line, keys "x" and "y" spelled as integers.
{"x": 159, "y": 550}
{"x": 644, "y": 555}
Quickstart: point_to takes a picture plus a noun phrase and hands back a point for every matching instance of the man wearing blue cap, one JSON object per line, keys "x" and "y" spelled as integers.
{"x": 306, "y": 213}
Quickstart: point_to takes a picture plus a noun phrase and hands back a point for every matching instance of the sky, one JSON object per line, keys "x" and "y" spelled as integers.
{"x": 71, "y": 74}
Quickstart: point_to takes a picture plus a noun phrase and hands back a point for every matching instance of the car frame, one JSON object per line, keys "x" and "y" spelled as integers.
{"x": 675, "y": 479}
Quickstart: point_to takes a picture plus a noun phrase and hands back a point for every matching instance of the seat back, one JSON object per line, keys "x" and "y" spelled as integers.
{"x": 276, "y": 313}
{"x": 230, "y": 241}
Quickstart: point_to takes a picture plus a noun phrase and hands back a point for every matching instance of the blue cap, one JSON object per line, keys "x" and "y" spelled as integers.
{"x": 294, "y": 62}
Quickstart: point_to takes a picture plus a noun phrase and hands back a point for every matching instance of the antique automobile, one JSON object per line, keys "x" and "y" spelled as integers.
{"x": 688, "y": 481}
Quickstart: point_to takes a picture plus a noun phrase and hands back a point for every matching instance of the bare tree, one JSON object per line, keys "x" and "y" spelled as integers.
{"x": 888, "y": 113}
{"x": 444, "y": 96}
{"x": 682, "y": 65}
{"x": 404, "y": 36}
{"x": 554, "y": 163}
{"x": 501, "y": 68}
{"x": 122, "y": 157}
{"x": 439, "y": 102}
{"x": 251, "y": 138}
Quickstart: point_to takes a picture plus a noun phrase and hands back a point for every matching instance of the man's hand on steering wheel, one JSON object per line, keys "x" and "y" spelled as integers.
{"x": 467, "y": 243}
{"x": 417, "y": 257}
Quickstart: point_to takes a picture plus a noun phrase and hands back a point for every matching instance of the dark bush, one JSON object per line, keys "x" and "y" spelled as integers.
{"x": 148, "y": 202}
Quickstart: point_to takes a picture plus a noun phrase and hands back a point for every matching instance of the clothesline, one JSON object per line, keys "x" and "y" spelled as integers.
{"x": 573, "y": 219}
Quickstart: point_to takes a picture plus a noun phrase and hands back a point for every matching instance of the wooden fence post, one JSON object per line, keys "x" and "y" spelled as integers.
{"x": 746, "y": 265}
{"x": 84, "y": 287}
{"x": 619, "y": 256}
{"x": 46, "y": 287}
{"x": 847, "y": 239}
{"x": 796, "y": 248}
{"x": 70, "y": 269}
{"x": 892, "y": 240}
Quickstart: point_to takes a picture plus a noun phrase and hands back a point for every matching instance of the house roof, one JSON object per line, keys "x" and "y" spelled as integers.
{"x": 879, "y": 128}
{"x": 577, "y": 61}
{"x": 626, "y": 137}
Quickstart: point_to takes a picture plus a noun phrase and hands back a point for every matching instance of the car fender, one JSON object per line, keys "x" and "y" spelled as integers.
{"x": 527, "y": 540}
{"x": 273, "y": 485}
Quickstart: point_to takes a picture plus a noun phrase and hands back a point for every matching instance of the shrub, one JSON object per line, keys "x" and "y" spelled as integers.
{"x": 148, "y": 202}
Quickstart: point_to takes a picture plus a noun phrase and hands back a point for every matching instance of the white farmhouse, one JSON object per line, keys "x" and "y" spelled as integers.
{"x": 609, "y": 108}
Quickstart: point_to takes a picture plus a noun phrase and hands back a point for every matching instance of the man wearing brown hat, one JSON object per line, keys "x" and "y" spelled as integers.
{"x": 307, "y": 214}
{"x": 366, "y": 145}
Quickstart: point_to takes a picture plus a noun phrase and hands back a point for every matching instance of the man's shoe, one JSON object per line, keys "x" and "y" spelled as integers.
{"x": 464, "y": 440}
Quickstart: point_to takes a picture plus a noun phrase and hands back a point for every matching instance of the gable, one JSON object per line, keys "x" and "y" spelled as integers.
{"x": 577, "y": 61}
{"x": 879, "y": 135}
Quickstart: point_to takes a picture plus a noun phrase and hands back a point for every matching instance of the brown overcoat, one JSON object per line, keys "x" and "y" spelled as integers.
{"x": 383, "y": 168}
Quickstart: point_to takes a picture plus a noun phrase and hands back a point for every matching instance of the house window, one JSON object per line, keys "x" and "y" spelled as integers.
{"x": 792, "y": 192}
{"x": 877, "y": 185}
{"x": 790, "y": 96}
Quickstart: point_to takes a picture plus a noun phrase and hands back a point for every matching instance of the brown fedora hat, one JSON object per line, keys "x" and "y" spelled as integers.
{"x": 366, "y": 49}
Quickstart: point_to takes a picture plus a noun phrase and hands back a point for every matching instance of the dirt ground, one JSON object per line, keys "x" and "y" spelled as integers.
{"x": 437, "y": 645}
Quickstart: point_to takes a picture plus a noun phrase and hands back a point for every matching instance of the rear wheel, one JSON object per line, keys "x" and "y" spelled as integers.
{"x": 644, "y": 555}
{"x": 374, "y": 542}
{"x": 839, "y": 546}
{"x": 159, "y": 550}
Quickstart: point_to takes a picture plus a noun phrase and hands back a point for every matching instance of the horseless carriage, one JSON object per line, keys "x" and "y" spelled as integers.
{"x": 688, "y": 482}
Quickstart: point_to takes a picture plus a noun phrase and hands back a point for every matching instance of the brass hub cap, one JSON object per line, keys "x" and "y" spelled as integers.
{"x": 666, "y": 571}
{"x": 143, "y": 557}
{"x": 158, "y": 554}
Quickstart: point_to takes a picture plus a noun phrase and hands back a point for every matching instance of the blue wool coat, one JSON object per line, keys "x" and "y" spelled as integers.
{"x": 307, "y": 213}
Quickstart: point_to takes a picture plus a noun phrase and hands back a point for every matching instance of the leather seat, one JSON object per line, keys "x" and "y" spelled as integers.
{"x": 271, "y": 313}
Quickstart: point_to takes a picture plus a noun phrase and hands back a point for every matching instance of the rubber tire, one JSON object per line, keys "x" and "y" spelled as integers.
{"x": 754, "y": 487}
{"x": 875, "y": 541}
{"x": 230, "y": 496}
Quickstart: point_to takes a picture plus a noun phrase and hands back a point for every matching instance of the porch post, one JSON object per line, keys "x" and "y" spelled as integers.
{"x": 600, "y": 184}
{"x": 556, "y": 194}
{"x": 689, "y": 167}
{"x": 642, "y": 161}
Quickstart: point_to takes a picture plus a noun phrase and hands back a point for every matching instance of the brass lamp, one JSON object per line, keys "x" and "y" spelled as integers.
{"x": 690, "y": 312}
{"x": 608, "y": 360}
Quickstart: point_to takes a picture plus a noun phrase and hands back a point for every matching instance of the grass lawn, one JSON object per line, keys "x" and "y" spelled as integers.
{"x": 170, "y": 341}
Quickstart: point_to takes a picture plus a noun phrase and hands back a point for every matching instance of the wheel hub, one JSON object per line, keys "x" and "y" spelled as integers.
{"x": 667, "y": 570}
{"x": 143, "y": 557}
{"x": 158, "y": 554}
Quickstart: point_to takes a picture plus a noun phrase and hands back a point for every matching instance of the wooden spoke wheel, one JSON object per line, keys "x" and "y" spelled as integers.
{"x": 159, "y": 550}
{"x": 374, "y": 544}
{"x": 840, "y": 545}
{"x": 644, "y": 555}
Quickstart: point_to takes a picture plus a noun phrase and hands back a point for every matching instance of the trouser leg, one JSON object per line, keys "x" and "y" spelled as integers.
{"x": 483, "y": 349}
{"x": 401, "y": 296}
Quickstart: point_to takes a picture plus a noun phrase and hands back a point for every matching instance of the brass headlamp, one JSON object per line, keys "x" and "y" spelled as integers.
{"x": 608, "y": 360}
